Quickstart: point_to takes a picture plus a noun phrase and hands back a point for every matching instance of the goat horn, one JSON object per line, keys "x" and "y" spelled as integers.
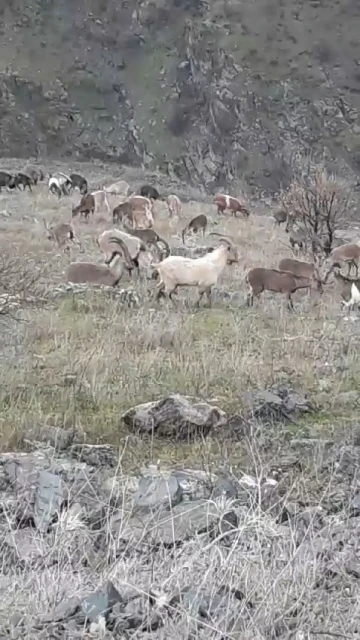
{"x": 124, "y": 247}
{"x": 223, "y": 237}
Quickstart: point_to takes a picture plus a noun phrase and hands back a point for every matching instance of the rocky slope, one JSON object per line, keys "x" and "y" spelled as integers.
{"x": 212, "y": 92}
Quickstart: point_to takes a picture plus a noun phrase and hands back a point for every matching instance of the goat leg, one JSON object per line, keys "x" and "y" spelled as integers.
{"x": 290, "y": 302}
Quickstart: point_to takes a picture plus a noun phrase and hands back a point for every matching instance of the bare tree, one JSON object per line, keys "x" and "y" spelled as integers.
{"x": 318, "y": 203}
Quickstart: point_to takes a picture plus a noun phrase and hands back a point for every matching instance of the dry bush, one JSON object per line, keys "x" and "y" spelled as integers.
{"x": 18, "y": 281}
{"x": 319, "y": 204}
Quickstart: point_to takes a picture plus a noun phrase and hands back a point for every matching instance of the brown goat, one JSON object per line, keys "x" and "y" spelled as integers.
{"x": 234, "y": 205}
{"x": 199, "y": 223}
{"x": 61, "y": 233}
{"x": 148, "y": 236}
{"x": 121, "y": 211}
{"x": 302, "y": 269}
{"x": 85, "y": 207}
{"x": 346, "y": 254}
{"x": 260, "y": 280}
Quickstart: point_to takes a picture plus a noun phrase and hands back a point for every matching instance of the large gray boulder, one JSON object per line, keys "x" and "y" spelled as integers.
{"x": 175, "y": 416}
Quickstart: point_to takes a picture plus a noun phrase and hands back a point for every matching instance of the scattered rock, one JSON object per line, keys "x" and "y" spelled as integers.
{"x": 155, "y": 492}
{"x": 278, "y": 404}
{"x": 100, "y": 602}
{"x": 175, "y": 415}
{"x": 49, "y": 497}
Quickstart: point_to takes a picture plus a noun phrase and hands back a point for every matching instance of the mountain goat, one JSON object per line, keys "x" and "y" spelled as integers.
{"x": 203, "y": 273}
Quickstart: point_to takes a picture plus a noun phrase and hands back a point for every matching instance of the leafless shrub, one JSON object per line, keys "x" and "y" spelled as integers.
{"x": 18, "y": 282}
{"x": 319, "y": 204}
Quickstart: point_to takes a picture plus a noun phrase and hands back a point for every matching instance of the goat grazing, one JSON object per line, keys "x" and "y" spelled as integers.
{"x": 346, "y": 254}
{"x": 134, "y": 245}
{"x": 121, "y": 211}
{"x": 108, "y": 274}
{"x": 24, "y": 180}
{"x": 280, "y": 217}
{"x": 79, "y": 182}
{"x": 302, "y": 269}
{"x": 142, "y": 215}
{"x": 234, "y": 205}
{"x": 203, "y": 273}
{"x": 148, "y": 237}
{"x": 60, "y": 183}
{"x": 85, "y": 206}
{"x": 36, "y": 175}
{"x": 7, "y": 180}
{"x": 260, "y": 280}
{"x": 173, "y": 205}
{"x": 120, "y": 188}
{"x": 147, "y": 191}
{"x": 61, "y": 233}
{"x": 197, "y": 224}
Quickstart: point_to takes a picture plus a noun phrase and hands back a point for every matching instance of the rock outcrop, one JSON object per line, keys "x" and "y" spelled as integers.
{"x": 214, "y": 93}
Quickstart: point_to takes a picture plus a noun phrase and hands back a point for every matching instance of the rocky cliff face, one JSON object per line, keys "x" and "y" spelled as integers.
{"x": 215, "y": 92}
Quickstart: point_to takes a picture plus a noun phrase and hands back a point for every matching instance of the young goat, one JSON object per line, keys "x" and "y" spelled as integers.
{"x": 197, "y": 224}
{"x": 346, "y": 254}
{"x": 302, "y": 269}
{"x": 234, "y": 205}
{"x": 202, "y": 273}
{"x": 108, "y": 274}
{"x": 79, "y": 182}
{"x": 85, "y": 207}
{"x": 61, "y": 233}
{"x": 173, "y": 205}
{"x": 148, "y": 236}
{"x": 260, "y": 280}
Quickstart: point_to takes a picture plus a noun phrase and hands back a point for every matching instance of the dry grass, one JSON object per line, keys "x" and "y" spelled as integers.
{"x": 123, "y": 357}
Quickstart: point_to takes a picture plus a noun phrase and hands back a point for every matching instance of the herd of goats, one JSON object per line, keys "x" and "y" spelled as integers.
{"x": 133, "y": 246}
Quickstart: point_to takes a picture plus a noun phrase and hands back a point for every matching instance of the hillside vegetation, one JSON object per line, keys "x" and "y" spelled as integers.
{"x": 216, "y": 93}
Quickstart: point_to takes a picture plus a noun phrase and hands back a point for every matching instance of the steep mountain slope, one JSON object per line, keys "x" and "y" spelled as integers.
{"x": 212, "y": 91}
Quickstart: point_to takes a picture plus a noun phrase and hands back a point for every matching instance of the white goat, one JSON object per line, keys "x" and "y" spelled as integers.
{"x": 120, "y": 188}
{"x": 60, "y": 183}
{"x": 203, "y": 273}
{"x": 355, "y": 298}
{"x": 173, "y": 205}
{"x": 101, "y": 200}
